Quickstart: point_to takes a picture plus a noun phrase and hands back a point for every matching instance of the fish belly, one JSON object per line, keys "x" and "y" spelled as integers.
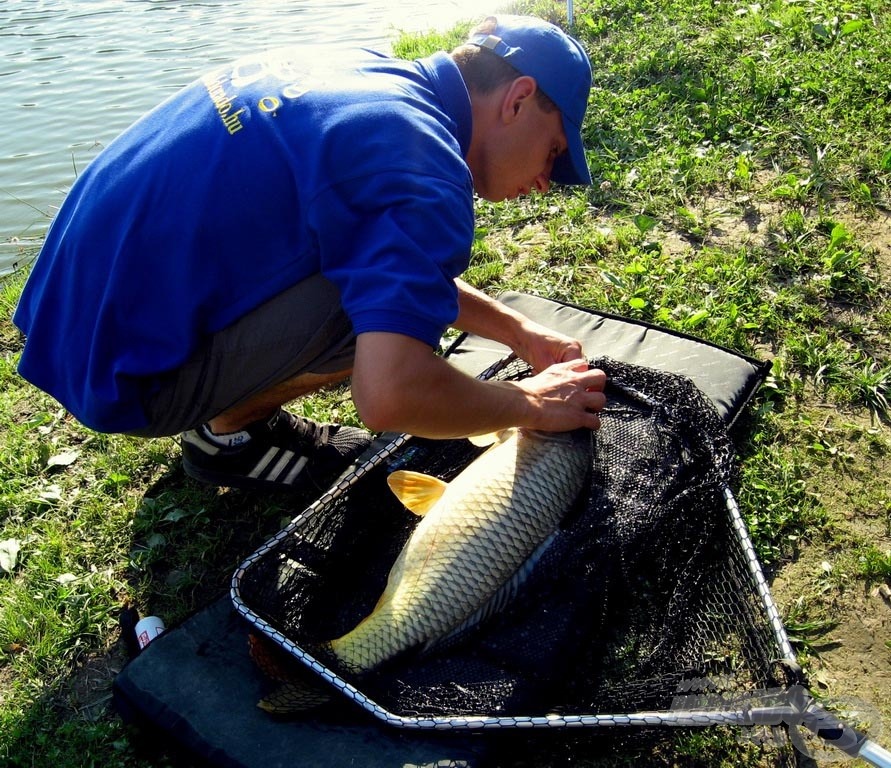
{"x": 490, "y": 519}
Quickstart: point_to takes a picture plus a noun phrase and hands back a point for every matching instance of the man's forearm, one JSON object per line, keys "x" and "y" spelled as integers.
{"x": 400, "y": 385}
{"x": 536, "y": 344}
{"x": 486, "y": 317}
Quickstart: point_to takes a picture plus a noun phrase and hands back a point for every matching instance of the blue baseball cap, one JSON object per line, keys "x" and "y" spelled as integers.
{"x": 561, "y": 68}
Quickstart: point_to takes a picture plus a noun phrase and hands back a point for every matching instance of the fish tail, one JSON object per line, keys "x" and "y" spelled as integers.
{"x": 350, "y": 653}
{"x": 294, "y": 698}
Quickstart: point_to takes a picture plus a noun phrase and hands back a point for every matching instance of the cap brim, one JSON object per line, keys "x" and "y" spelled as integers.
{"x": 571, "y": 167}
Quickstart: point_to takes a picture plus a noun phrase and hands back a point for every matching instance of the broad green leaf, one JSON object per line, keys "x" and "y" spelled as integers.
{"x": 644, "y": 223}
{"x": 697, "y": 318}
{"x": 609, "y": 277}
{"x": 853, "y": 26}
{"x": 839, "y": 235}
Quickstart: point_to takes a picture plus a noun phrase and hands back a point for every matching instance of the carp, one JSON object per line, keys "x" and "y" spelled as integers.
{"x": 479, "y": 537}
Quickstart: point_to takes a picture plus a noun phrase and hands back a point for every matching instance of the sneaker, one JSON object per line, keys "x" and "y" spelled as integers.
{"x": 282, "y": 452}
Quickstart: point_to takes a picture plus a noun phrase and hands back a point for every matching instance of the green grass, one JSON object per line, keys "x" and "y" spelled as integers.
{"x": 742, "y": 164}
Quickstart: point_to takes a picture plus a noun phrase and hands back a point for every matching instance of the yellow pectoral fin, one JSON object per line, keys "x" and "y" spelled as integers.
{"x": 417, "y": 491}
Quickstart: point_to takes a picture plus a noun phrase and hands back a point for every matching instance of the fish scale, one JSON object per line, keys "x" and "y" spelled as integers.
{"x": 471, "y": 543}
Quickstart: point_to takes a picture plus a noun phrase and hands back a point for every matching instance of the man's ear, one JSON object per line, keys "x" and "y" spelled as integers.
{"x": 518, "y": 94}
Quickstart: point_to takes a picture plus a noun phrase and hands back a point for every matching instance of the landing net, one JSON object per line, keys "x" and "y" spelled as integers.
{"x": 648, "y": 609}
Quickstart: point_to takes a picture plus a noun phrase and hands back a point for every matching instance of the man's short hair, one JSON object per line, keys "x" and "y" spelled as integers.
{"x": 484, "y": 71}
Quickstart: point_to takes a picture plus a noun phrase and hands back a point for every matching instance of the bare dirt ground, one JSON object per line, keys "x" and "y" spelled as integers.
{"x": 847, "y": 649}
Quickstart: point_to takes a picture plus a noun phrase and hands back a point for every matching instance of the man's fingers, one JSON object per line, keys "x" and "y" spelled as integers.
{"x": 593, "y": 421}
{"x": 593, "y": 379}
{"x": 595, "y": 401}
{"x": 596, "y": 379}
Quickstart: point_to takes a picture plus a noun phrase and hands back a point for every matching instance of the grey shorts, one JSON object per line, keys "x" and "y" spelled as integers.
{"x": 302, "y": 330}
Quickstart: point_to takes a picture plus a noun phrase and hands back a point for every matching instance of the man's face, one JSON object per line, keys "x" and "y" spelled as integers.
{"x": 520, "y": 152}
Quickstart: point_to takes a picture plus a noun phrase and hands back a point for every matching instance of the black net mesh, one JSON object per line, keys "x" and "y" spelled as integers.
{"x": 644, "y": 593}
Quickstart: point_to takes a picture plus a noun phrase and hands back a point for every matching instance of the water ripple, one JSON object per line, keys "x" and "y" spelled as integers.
{"x": 76, "y": 74}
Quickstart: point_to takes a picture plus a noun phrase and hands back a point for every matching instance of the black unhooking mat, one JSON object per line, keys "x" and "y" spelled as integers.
{"x": 196, "y": 689}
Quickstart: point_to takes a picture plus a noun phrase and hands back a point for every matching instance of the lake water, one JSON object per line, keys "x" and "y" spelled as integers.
{"x": 75, "y": 73}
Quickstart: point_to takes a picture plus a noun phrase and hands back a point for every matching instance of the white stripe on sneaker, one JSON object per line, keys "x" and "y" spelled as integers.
{"x": 273, "y": 473}
{"x": 296, "y": 470}
{"x": 274, "y": 463}
{"x": 264, "y": 462}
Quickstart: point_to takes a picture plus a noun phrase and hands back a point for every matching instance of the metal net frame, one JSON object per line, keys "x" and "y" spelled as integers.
{"x": 649, "y": 609}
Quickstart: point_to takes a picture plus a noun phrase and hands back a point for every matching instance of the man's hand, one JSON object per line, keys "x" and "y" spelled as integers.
{"x": 541, "y": 347}
{"x": 538, "y": 345}
{"x": 565, "y": 396}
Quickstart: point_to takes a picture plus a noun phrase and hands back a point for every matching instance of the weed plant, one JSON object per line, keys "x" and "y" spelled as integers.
{"x": 742, "y": 162}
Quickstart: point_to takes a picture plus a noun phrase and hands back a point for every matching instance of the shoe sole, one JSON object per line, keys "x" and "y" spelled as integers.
{"x": 225, "y": 480}
{"x": 228, "y": 480}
